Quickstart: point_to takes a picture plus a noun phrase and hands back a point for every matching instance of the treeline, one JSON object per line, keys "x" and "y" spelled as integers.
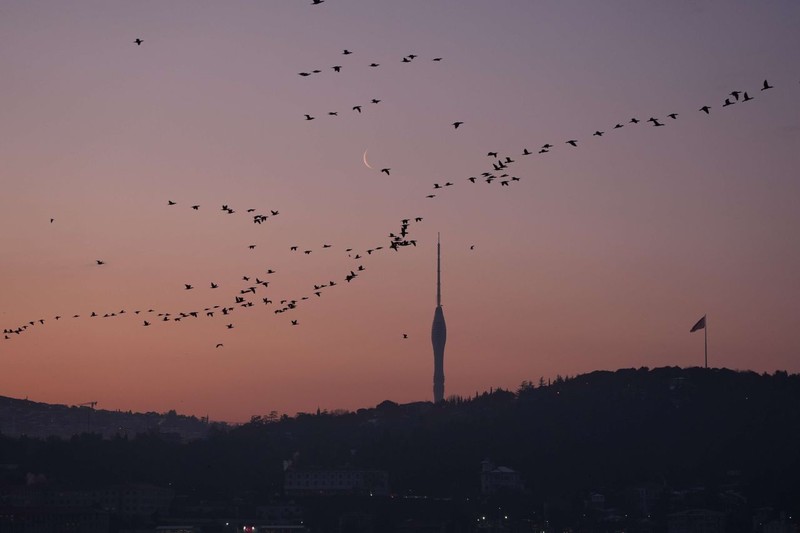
{"x": 598, "y": 432}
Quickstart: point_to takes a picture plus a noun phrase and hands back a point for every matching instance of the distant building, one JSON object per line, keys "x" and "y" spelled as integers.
{"x": 696, "y": 521}
{"x": 499, "y": 479}
{"x": 345, "y": 481}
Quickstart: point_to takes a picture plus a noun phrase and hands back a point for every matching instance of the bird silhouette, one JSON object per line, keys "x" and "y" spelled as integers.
{"x": 170, "y": 202}
{"x": 214, "y": 285}
{"x": 727, "y": 102}
{"x": 304, "y": 74}
{"x": 229, "y": 326}
{"x": 219, "y": 345}
{"x": 766, "y": 86}
{"x": 457, "y": 124}
{"x": 294, "y": 322}
{"x": 673, "y": 116}
{"x": 634, "y": 120}
{"x": 346, "y": 52}
{"x": 337, "y": 68}
{"x": 705, "y": 109}
{"x": 405, "y": 335}
{"x": 735, "y": 94}
{"x": 436, "y": 59}
{"x": 357, "y": 108}
{"x": 100, "y": 262}
{"x": 386, "y": 171}
{"x": 316, "y": 2}
{"x": 138, "y": 41}
{"x": 196, "y": 207}
{"x": 375, "y": 101}
{"x": 598, "y": 133}
{"x": 373, "y": 65}
{"x": 333, "y": 113}
{"x": 573, "y": 142}
{"x": 746, "y": 97}
{"x": 146, "y": 323}
{"x": 188, "y": 287}
{"x": 309, "y": 117}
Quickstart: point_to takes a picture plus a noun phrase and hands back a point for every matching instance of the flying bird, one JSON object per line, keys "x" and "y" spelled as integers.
{"x": 436, "y": 59}
{"x": 728, "y": 102}
{"x": 573, "y": 142}
{"x": 195, "y": 207}
{"x": 357, "y": 108}
{"x": 375, "y": 101}
{"x": 309, "y": 117}
{"x": 346, "y": 52}
{"x": 747, "y": 97}
{"x": 188, "y": 287}
{"x": 100, "y": 262}
{"x": 219, "y": 345}
{"x": 316, "y": 2}
{"x": 766, "y": 86}
{"x": 294, "y": 322}
{"x": 337, "y": 68}
{"x": 138, "y": 42}
{"x": 705, "y": 109}
{"x": 170, "y": 202}
{"x": 385, "y": 170}
{"x": 457, "y": 124}
{"x": 673, "y": 116}
{"x": 374, "y": 65}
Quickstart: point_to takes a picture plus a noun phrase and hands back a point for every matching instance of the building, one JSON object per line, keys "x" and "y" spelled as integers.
{"x": 344, "y": 481}
{"x": 438, "y": 332}
{"x": 499, "y": 479}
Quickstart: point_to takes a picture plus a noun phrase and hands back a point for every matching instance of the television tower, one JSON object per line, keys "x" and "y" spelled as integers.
{"x": 438, "y": 331}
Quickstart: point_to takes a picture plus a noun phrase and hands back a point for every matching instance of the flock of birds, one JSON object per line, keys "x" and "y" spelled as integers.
{"x": 359, "y": 108}
{"x": 255, "y": 288}
{"x": 499, "y": 171}
{"x": 252, "y": 290}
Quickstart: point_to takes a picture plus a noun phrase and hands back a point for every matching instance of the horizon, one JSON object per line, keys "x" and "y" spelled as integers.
{"x": 550, "y": 381}
{"x": 601, "y": 255}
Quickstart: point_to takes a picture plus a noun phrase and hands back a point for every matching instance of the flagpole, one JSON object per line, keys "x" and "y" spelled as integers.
{"x": 705, "y": 339}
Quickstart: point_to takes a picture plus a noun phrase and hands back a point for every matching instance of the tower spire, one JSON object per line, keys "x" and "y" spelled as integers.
{"x": 438, "y": 271}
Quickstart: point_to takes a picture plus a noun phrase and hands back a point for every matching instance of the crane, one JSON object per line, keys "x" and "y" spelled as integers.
{"x": 88, "y": 414}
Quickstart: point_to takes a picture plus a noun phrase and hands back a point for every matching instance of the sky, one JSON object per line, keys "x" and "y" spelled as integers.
{"x": 600, "y": 256}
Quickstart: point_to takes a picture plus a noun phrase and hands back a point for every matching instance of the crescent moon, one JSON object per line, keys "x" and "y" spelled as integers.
{"x": 365, "y": 159}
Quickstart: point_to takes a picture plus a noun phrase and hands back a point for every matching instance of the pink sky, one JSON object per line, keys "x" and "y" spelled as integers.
{"x": 600, "y": 257}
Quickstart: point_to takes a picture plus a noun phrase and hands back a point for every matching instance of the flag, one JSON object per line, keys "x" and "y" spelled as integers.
{"x": 701, "y": 324}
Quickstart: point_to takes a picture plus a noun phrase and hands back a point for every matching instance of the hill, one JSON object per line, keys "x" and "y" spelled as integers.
{"x": 648, "y": 442}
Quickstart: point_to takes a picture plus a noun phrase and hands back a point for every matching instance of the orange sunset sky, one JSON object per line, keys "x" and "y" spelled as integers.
{"x": 600, "y": 256}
